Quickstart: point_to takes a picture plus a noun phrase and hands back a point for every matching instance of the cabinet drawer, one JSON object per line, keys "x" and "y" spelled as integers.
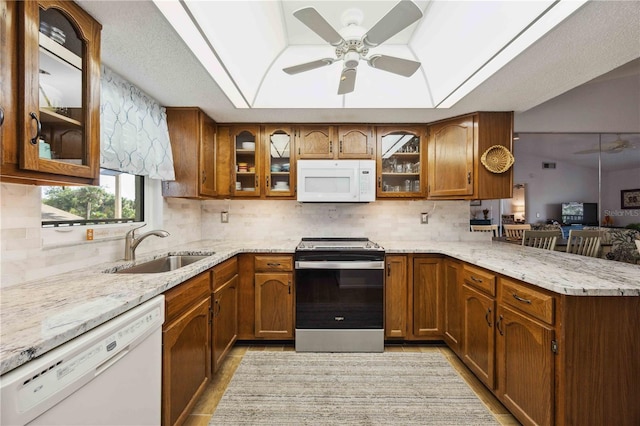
{"x": 223, "y": 272}
{"x": 533, "y": 302}
{"x": 185, "y": 295}
{"x": 480, "y": 279}
{"x": 273, "y": 263}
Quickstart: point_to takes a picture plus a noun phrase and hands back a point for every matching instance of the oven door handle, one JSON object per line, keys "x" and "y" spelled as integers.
{"x": 329, "y": 264}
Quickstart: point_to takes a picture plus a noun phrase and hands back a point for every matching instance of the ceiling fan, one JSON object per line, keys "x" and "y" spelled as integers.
{"x": 614, "y": 147}
{"x": 353, "y": 42}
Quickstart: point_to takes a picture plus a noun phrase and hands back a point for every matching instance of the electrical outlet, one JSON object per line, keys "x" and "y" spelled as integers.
{"x": 224, "y": 217}
{"x": 424, "y": 218}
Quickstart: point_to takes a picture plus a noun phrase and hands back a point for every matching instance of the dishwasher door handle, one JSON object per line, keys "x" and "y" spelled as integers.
{"x": 347, "y": 264}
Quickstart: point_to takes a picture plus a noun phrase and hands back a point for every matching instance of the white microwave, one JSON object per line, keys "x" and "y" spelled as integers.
{"x": 341, "y": 181}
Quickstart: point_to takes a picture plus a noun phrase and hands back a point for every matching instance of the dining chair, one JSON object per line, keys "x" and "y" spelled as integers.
{"x": 485, "y": 228}
{"x": 540, "y": 239}
{"x": 585, "y": 243}
{"x": 514, "y": 231}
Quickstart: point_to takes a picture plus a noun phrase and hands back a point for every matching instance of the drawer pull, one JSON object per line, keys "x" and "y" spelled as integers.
{"x": 273, "y": 265}
{"x": 486, "y": 317}
{"x": 520, "y": 299}
{"x": 475, "y": 280}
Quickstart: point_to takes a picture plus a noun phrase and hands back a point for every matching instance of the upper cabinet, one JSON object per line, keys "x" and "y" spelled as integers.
{"x": 245, "y": 142}
{"x": 356, "y": 142}
{"x": 455, "y": 149}
{"x": 316, "y": 142}
{"x": 336, "y": 142}
{"x": 50, "y": 132}
{"x": 279, "y": 171}
{"x": 192, "y": 134}
{"x": 400, "y": 162}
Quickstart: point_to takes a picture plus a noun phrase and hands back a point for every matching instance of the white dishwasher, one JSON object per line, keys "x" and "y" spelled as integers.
{"x": 111, "y": 375}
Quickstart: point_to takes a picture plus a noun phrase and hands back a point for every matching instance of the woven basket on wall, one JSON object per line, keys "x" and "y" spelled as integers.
{"x": 497, "y": 159}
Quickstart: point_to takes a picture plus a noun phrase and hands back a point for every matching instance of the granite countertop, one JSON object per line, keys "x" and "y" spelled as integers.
{"x": 38, "y": 316}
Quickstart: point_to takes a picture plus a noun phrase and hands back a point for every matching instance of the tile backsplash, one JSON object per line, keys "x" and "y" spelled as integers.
{"x": 25, "y": 257}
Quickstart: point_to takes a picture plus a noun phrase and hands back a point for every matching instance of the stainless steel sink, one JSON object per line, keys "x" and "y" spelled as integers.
{"x": 162, "y": 264}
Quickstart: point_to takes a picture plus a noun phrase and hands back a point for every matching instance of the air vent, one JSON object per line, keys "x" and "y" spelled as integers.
{"x": 548, "y": 165}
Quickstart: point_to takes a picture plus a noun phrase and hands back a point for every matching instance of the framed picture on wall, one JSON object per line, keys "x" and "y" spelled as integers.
{"x": 630, "y": 199}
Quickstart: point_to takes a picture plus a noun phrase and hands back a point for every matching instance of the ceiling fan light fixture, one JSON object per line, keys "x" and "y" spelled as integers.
{"x": 351, "y": 60}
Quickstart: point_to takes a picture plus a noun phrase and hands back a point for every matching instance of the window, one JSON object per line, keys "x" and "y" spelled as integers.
{"x": 118, "y": 199}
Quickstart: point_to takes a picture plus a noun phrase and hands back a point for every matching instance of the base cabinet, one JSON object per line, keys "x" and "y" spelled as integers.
{"x": 427, "y": 310}
{"x": 453, "y": 306}
{"x": 186, "y": 354}
{"x": 479, "y": 341}
{"x": 525, "y": 367}
{"x": 274, "y": 297}
{"x": 224, "y": 305}
{"x": 395, "y": 296}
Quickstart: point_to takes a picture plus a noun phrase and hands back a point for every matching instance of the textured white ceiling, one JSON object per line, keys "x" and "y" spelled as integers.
{"x": 140, "y": 45}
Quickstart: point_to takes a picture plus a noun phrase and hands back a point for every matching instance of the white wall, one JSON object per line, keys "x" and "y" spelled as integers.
{"x": 548, "y": 188}
{"x": 612, "y": 183}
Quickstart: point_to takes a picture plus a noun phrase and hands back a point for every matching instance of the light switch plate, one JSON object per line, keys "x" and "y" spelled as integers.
{"x": 424, "y": 218}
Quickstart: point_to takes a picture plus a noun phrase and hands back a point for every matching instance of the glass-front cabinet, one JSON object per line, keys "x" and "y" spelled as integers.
{"x": 278, "y": 170}
{"x": 400, "y": 162}
{"x": 58, "y": 113}
{"x": 246, "y": 140}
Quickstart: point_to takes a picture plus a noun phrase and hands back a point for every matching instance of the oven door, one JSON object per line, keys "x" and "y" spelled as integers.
{"x": 339, "y": 294}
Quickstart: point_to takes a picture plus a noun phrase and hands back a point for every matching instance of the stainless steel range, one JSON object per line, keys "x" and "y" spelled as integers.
{"x": 339, "y": 295}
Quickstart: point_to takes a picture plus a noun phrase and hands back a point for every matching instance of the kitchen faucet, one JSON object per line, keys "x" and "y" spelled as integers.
{"x": 131, "y": 242}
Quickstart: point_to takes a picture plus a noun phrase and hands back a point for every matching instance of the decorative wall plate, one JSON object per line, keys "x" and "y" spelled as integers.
{"x": 497, "y": 159}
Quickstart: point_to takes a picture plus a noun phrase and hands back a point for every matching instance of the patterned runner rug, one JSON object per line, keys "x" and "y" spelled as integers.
{"x": 390, "y": 388}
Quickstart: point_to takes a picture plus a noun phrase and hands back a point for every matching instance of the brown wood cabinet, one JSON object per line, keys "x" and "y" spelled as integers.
{"x": 186, "y": 347}
{"x": 453, "y": 331}
{"x": 478, "y": 348}
{"x": 224, "y": 305}
{"x": 427, "y": 297}
{"x": 274, "y": 297}
{"x": 395, "y": 292}
{"x": 70, "y": 124}
{"x": 316, "y": 142}
{"x": 455, "y": 149}
{"x": 279, "y": 169}
{"x": 400, "y": 162}
{"x": 192, "y": 135}
{"x": 356, "y": 142}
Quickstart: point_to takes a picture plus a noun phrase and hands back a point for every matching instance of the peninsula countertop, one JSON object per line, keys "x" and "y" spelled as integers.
{"x": 38, "y": 316}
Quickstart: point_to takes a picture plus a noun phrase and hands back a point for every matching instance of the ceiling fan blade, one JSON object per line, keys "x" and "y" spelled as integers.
{"x": 312, "y": 19}
{"x": 404, "y": 67}
{"x": 347, "y": 81}
{"x": 308, "y": 66}
{"x": 397, "y": 19}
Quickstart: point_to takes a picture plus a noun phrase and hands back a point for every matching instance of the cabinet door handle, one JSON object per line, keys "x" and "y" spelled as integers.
{"x": 475, "y": 280}
{"x": 219, "y": 307}
{"x": 1, "y": 116}
{"x": 469, "y": 177}
{"x": 521, "y": 299}
{"x": 498, "y": 326}
{"x": 34, "y": 140}
{"x": 267, "y": 182}
{"x": 486, "y": 317}
{"x": 257, "y": 182}
{"x": 289, "y": 285}
{"x": 379, "y": 182}
{"x": 371, "y": 151}
{"x": 204, "y": 176}
{"x": 341, "y": 146}
{"x": 389, "y": 269}
{"x": 331, "y": 147}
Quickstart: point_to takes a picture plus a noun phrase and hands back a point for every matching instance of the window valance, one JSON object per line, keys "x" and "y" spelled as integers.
{"x": 134, "y": 137}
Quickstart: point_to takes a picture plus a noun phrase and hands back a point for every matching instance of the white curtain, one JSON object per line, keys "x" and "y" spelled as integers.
{"x": 134, "y": 137}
